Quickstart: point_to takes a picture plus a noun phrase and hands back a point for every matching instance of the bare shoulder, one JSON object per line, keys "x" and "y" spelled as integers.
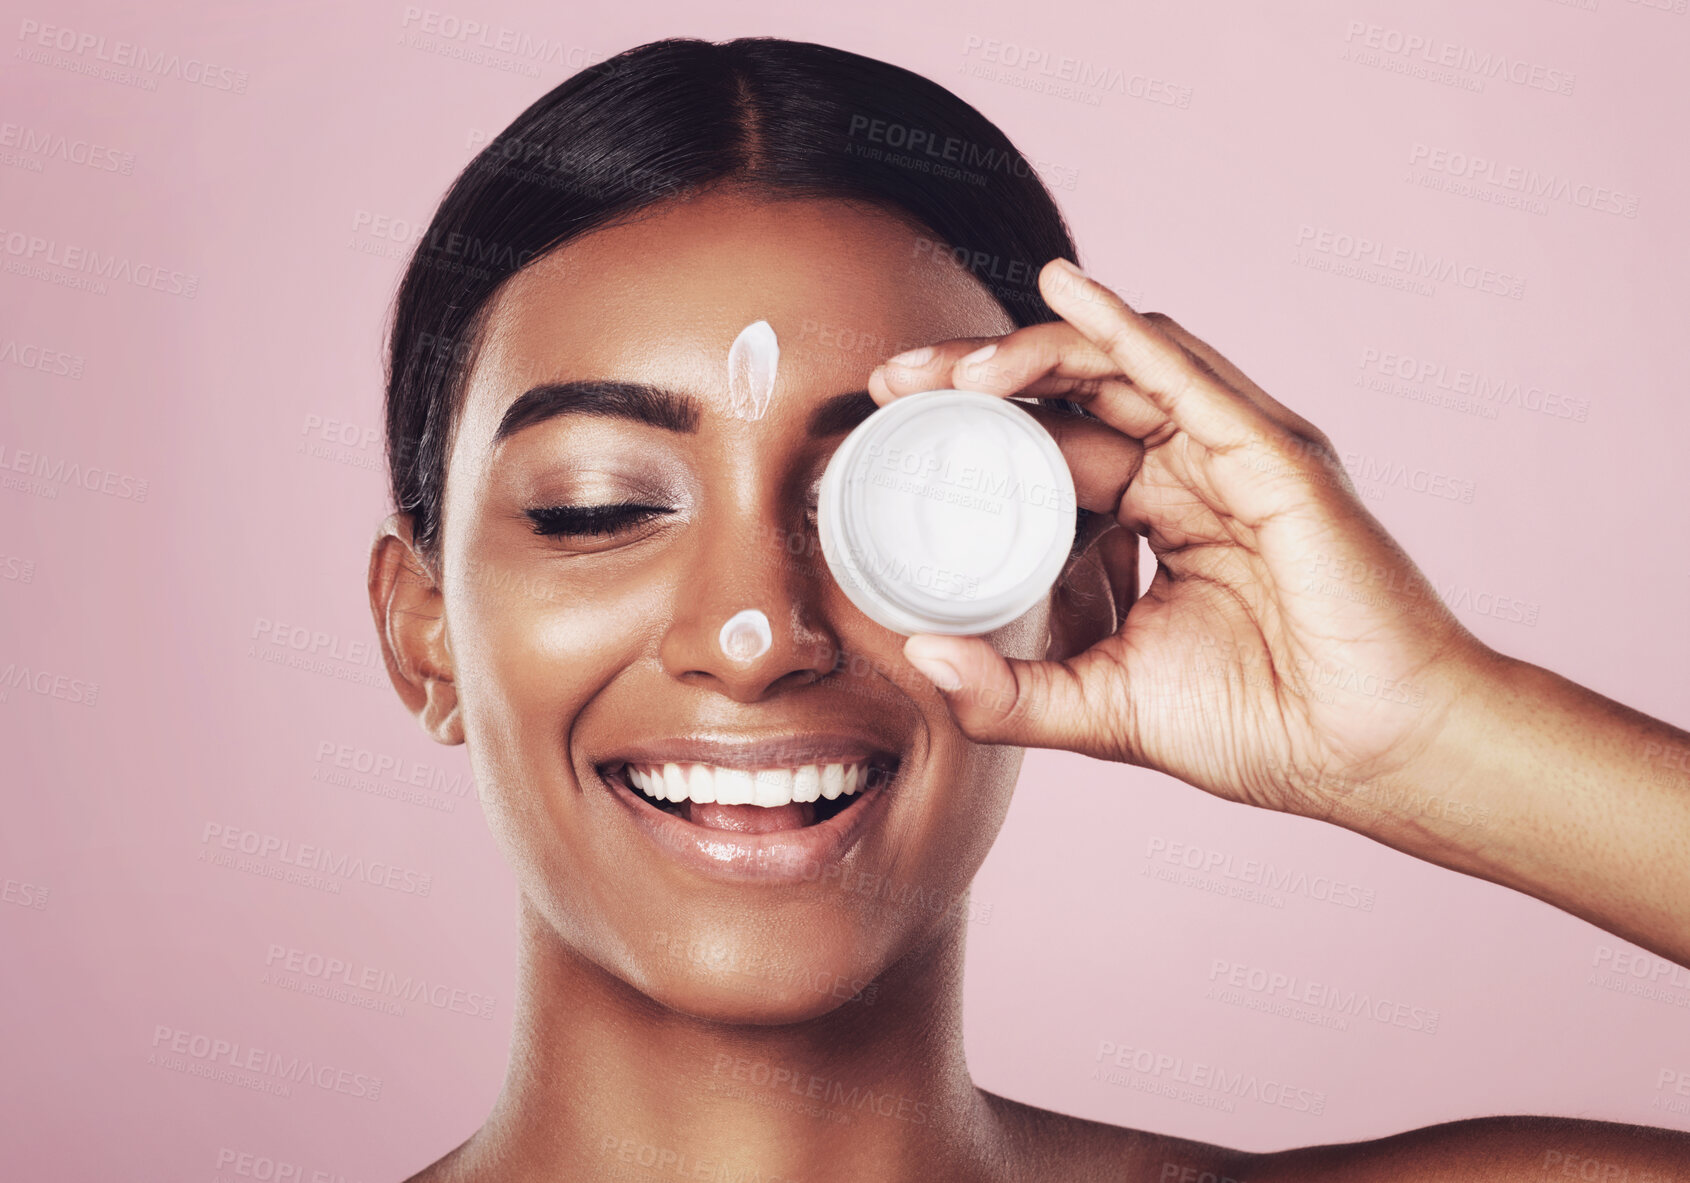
{"x": 1047, "y": 1146}
{"x": 1053, "y": 1146}
{"x": 1488, "y": 1148}
{"x": 451, "y": 1167}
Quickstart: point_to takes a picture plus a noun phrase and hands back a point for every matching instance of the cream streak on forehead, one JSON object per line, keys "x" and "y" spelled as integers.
{"x": 752, "y": 360}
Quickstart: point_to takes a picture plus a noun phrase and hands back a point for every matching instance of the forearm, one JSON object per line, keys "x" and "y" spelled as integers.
{"x": 1541, "y": 785}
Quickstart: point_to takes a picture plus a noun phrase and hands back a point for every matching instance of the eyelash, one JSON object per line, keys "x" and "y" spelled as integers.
{"x": 590, "y": 521}
{"x": 597, "y": 521}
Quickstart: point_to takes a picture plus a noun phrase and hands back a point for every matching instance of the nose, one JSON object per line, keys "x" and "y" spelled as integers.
{"x": 744, "y": 576}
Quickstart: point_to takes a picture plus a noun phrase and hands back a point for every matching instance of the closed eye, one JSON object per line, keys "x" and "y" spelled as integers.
{"x": 587, "y": 521}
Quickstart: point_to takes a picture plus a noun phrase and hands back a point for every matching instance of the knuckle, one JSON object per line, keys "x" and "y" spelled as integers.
{"x": 1201, "y": 364}
{"x": 1169, "y": 327}
{"x": 1291, "y": 449}
{"x": 1316, "y": 446}
{"x": 1114, "y": 339}
{"x": 1171, "y": 375}
{"x": 1010, "y": 706}
{"x": 1303, "y": 457}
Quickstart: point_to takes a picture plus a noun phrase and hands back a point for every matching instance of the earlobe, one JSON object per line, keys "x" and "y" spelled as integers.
{"x": 410, "y": 620}
{"x": 440, "y": 716}
{"x": 1095, "y": 591}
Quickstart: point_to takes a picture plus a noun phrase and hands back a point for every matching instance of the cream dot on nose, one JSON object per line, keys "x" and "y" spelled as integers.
{"x": 746, "y": 636}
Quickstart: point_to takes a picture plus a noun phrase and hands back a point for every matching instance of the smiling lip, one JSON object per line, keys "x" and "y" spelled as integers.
{"x": 770, "y": 752}
{"x": 779, "y": 856}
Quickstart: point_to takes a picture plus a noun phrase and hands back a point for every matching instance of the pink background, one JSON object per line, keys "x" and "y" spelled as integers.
{"x": 251, "y": 410}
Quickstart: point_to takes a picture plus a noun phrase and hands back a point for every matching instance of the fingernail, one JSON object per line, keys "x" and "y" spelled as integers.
{"x": 979, "y": 356}
{"x": 1070, "y": 267}
{"x": 936, "y": 670}
{"x": 913, "y": 358}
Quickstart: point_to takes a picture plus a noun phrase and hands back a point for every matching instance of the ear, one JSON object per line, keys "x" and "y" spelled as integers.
{"x": 410, "y": 615}
{"x": 1097, "y": 587}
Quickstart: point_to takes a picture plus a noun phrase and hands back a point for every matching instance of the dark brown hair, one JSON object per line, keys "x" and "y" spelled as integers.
{"x": 670, "y": 118}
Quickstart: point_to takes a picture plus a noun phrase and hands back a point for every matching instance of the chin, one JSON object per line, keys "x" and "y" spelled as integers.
{"x": 760, "y": 970}
{"x": 759, "y": 1004}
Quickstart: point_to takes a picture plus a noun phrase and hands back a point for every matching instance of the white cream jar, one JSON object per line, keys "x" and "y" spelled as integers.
{"x": 948, "y": 511}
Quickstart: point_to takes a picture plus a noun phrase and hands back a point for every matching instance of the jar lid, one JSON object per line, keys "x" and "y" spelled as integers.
{"x": 948, "y": 511}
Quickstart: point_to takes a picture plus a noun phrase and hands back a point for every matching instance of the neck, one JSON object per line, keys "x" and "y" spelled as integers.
{"x": 606, "y": 1083}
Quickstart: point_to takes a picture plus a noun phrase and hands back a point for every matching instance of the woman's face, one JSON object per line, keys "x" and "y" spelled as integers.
{"x": 586, "y": 644}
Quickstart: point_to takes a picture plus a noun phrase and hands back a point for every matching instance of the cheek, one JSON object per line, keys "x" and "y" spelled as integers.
{"x": 976, "y": 798}
{"x": 975, "y": 782}
{"x": 531, "y": 647}
{"x": 1027, "y": 638}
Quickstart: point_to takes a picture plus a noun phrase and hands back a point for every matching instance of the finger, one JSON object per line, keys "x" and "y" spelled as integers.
{"x": 1103, "y": 461}
{"x": 995, "y": 699}
{"x": 1223, "y": 369}
{"x": 916, "y": 370}
{"x": 1049, "y": 360}
{"x": 1118, "y": 550}
{"x": 1192, "y": 400}
{"x": 1015, "y": 359}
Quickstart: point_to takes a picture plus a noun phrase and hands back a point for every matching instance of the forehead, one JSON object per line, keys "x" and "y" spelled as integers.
{"x": 661, "y": 298}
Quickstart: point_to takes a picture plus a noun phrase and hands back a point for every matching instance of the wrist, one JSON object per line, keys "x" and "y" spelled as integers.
{"x": 1439, "y": 790}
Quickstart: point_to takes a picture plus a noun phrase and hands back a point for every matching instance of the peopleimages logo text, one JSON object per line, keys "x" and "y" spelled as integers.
{"x": 1486, "y": 63}
{"x": 131, "y": 56}
{"x": 49, "y": 252}
{"x": 60, "y": 471}
{"x": 232, "y": 1056}
{"x": 1200, "y": 1075}
{"x": 1409, "y": 260}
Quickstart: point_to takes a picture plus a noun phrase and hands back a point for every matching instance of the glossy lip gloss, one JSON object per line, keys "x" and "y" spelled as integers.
{"x": 776, "y": 856}
{"x": 781, "y": 856}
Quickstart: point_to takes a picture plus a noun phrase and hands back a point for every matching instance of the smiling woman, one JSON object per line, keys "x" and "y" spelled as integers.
{"x": 744, "y": 867}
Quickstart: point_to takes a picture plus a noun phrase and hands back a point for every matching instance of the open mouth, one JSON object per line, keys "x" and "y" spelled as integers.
{"x": 755, "y": 800}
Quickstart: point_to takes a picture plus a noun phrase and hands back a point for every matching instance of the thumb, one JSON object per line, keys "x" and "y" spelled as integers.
{"x": 995, "y": 699}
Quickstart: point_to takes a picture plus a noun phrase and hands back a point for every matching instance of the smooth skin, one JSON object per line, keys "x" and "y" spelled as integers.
{"x": 1243, "y": 672}
{"x": 649, "y": 996}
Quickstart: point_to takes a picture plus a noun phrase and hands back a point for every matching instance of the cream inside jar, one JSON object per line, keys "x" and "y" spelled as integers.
{"x": 947, "y": 512}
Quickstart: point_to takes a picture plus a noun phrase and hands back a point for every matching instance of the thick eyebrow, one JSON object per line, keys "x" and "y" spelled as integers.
{"x": 643, "y": 403}
{"x": 604, "y": 398}
{"x": 841, "y": 413}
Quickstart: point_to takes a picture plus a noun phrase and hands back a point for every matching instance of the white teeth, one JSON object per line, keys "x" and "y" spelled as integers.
{"x": 772, "y": 786}
{"x": 676, "y": 782}
{"x": 767, "y": 787}
{"x": 807, "y": 783}
{"x": 701, "y": 786}
{"x": 733, "y": 786}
